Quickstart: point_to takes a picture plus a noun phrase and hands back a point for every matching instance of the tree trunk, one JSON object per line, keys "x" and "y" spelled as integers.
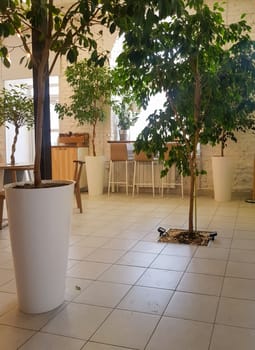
{"x": 193, "y": 156}
{"x": 14, "y": 144}
{"x": 40, "y": 52}
{"x": 93, "y": 140}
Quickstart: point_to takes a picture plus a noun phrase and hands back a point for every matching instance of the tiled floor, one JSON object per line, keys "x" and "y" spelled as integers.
{"x": 126, "y": 291}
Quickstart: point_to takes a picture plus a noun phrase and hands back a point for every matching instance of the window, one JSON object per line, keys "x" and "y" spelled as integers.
{"x": 25, "y": 145}
{"x": 156, "y": 102}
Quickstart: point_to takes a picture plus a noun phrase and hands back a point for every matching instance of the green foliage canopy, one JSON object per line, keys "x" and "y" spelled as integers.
{"x": 91, "y": 85}
{"x": 16, "y": 108}
{"x": 206, "y": 70}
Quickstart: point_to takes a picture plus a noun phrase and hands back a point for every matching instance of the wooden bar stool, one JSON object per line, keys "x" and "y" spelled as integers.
{"x": 142, "y": 160}
{"x": 77, "y": 177}
{"x": 118, "y": 155}
{"x": 169, "y": 181}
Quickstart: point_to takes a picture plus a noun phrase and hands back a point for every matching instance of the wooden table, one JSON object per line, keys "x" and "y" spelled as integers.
{"x": 14, "y": 168}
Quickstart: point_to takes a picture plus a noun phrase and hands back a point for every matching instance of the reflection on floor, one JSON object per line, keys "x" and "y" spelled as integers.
{"x": 127, "y": 291}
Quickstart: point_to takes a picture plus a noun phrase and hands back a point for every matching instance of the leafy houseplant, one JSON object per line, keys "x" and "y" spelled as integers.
{"x": 91, "y": 87}
{"x": 91, "y": 96}
{"x": 125, "y": 112}
{"x": 16, "y": 108}
{"x": 39, "y": 216}
{"x": 183, "y": 56}
{"x": 43, "y": 28}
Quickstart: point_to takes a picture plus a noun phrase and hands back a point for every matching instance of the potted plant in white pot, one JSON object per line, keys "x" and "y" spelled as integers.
{"x": 184, "y": 67}
{"x": 39, "y": 214}
{"x": 127, "y": 115}
{"x": 91, "y": 97}
{"x": 16, "y": 108}
{"x": 233, "y": 91}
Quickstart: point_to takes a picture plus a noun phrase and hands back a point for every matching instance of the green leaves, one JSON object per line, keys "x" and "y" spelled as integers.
{"x": 16, "y": 107}
{"x": 91, "y": 85}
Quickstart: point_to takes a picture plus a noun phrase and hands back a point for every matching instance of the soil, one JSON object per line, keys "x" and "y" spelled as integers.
{"x": 185, "y": 237}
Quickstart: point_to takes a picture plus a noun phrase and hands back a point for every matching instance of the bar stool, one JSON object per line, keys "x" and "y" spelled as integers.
{"x": 118, "y": 156}
{"x": 77, "y": 176}
{"x": 169, "y": 181}
{"x": 141, "y": 162}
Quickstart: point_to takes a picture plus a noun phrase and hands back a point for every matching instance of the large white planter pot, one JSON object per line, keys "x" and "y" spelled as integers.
{"x": 95, "y": 167}
{"x": 222, "y": 169}
{"x": 40, "y": 225}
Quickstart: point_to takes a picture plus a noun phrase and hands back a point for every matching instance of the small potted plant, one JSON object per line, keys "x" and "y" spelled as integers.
{"x": 91, "y": 87}
{"x": 16, "y": 108}
{"x": 127, "y": 115}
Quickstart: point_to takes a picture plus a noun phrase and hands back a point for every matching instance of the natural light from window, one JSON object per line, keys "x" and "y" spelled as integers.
{"x": 156, "y": 102}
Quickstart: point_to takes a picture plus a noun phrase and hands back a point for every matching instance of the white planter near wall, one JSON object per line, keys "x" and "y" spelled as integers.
{"x": 124, "y": 135}
{"x": 40, "y": 225}
{"x": 222, "y": 169}
{"x": 95, "y": 168}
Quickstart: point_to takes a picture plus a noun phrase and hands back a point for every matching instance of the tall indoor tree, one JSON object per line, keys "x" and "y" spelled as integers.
{"x": 45, "y": 26}
{"x": 206, "y": 69}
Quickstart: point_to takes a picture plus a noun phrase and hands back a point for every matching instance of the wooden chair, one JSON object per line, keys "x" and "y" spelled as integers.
{"x": 77, "y": 177}
{"x": 2, "y": 198}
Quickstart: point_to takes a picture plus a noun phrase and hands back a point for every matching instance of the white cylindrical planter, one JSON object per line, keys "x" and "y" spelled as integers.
{"x": 40, "y": 225}
{"x": 95, "y": 167}
{"x": 222, "y": 169}
{"x": 124, "y": 135}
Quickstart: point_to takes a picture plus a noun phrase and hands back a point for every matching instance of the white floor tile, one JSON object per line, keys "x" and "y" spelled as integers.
{"x": 160, "y": 279}
{"x": 79, "y": 252}
{"x": 232, "y": 338}
{"x": 103, "y": 294}
{"x": 207, "y": 266}
{"x": 12, "y": 338}
{"x": 137, "y": 259}
{"x": 99, "y": 346}
{"x": 198, "y": 283}
{"x": 126, "y": 328}
{"x": 148, "y": 247}
{"x": 248, "y": 244}
{"x": 236, "y": 312}
{"x": 179, "y": 249}
{"x": 176, "y": 334}
{"x": 6, "y": 275}
{"x": 238, "y": 288}
{"x": 122, "y": 274}
{"x": 8, "y": 301}
{"x": 170, "y": 262}
{"x": 87, "y": 269}
{"x": 105, "y": 255}
{"x": 144, "y": 299}
{"x": 241, "y": 255}
{"x": 191, "y": 306}
{"x": 117, "y": 243}
{"x": 42, "y": 341}
{"x": 74, "y": 287}
{"x": 29, "y": 321}
{"x": 77, "y": 321}
{"x": 212, "y": 253}
{"x": 241, "y": 270}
